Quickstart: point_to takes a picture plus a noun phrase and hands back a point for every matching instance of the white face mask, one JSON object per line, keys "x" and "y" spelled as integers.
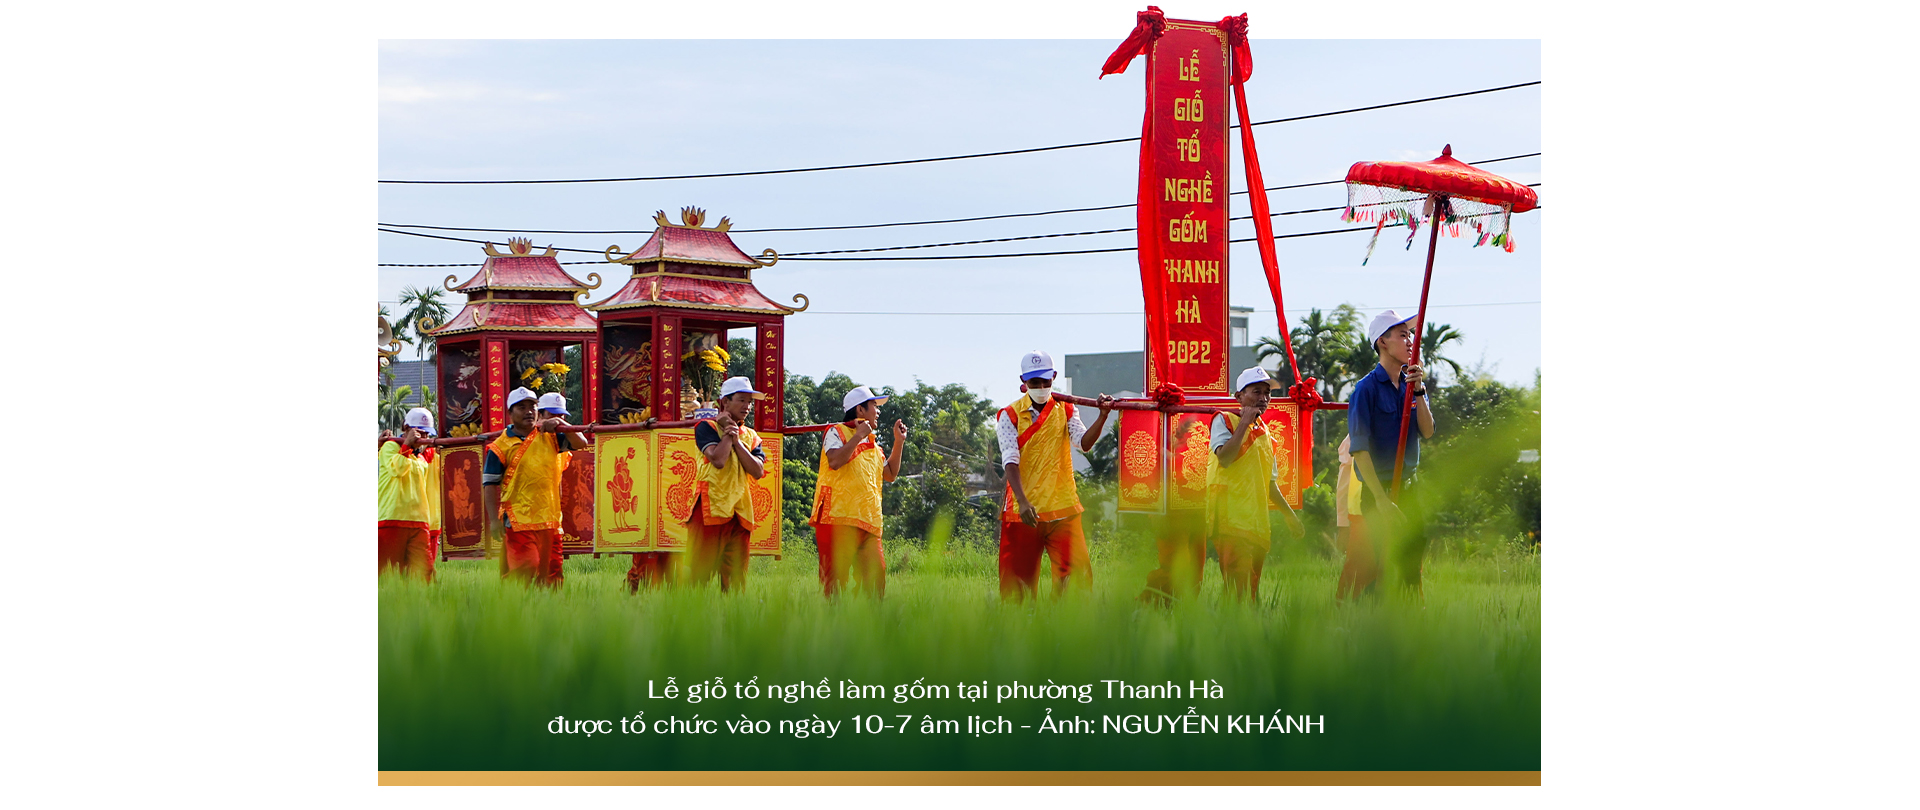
{"x": 1039, "y": 395}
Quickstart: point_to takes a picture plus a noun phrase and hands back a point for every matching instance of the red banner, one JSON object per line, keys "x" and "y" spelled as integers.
{"x": 1283, "y": 430}
{"x": 576, "y": 502}
{"x": 1188, "y": 449}
{"x": 1182, "y": 207}
{"x": 1142, "y": 471}
{"x": 463, "y": 520}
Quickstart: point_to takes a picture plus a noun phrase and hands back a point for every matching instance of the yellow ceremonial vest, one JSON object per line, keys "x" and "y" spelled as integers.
{"x": 530, "y": 490}
{"x": 1240, "y": 489}
{"x": 727, "y": 493}
{"x": 404, "y": 489}
{"x": 850, "y": 496}
{"x": 1046, "y": 462}
{"x": 430, "y": 489}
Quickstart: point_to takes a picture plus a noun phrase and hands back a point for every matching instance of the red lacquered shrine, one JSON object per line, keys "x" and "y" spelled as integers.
{"x": 522, "y": 311}
{"x": 690, "y": 285}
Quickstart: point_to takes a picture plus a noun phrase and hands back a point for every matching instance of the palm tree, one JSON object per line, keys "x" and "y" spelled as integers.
{"x": 393, "y": 407}
{"x": 424, "y": 306}
{"x": 1438, "y": 335}
{"x": 1326, "y": 345}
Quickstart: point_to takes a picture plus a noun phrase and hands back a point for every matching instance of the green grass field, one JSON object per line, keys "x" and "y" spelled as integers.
{"x": 472, "y": 670}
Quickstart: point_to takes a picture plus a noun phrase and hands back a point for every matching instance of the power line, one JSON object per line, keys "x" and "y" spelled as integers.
{"x": 808, "y": 255}
{"x": 816, "y": 258}
{"x": 892, "y": 224}
{"x": 801, "y": 258}
{"x": 938, "y": 159}
{"x": 1056, "y": 235}
{"x": 1136, "y": 312}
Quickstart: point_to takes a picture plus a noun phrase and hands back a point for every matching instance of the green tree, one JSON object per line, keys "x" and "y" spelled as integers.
{"x": 740, "y": 358}
{"x": 573, "y": 386}
{"x": 1103, "y": 460}
{"x": 1478, "y": 489}
{"x": 424, "y": 307}
{"x": 393, "y": 407}
{"x": 1326, "y": 345}
{"x": 1439, "y": 335}
{"x": 797, "y": 482}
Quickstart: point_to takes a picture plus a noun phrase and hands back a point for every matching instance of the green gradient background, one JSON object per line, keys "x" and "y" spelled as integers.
{"x": 472, "y": 670}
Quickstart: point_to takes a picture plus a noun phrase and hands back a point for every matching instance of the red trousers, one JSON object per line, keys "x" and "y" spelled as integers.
{"x": 1240, "y": 565}
{"x": 1020, "y": 548}
{"x": 850, "y": 549}
{"x": 532, "y": 556}
{"x": 1182, "y": 550}
{"x": 407, "y": 549}
{"x": 721, "y": 548}
{"x": 654, "y": 568}
{"x": 1361, "y": 570}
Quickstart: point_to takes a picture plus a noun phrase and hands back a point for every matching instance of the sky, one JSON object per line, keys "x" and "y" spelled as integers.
{"x": 543, "y": 109}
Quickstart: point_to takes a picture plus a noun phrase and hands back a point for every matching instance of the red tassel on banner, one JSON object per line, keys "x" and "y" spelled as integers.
{"x": 1168, "y": 395}
{"x": 1146, "y": 28}
{"x": 1256, "y": 187}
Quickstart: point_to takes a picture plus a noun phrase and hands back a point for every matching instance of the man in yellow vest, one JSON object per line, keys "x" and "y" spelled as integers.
{"x": 520, "y": 482}
{"x": 409, "y": 499}
{"x": 1042, "y": 506}
{"x": 1243, "y": 486}
{"x": 846, "y": 500}
{"x": 723, "y": 507}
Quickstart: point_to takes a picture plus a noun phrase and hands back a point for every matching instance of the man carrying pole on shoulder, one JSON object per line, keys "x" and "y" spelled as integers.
{"x": 730, "y": 459}
{"x": 846, "y": 501}
{"x": 520, "y": 485}
{"x": 409, "y": 499}
{"x": 1243, "y": 487}
{"x": 1042, "y": 508}
{"x": 1373, "y": 424}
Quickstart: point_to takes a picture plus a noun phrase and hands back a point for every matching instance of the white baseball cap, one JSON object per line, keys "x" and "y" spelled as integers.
{"x": 421, "y": 419}
{"x": 516, "y": 395}
{"x": 735, "y": 385}
{"x": 1381, "y": 323}
{"x": 1249, "y": 377}
{"x": 1035, "y": 364}
{"x": 859, "y": 396}
{"x": 553, "y": 402}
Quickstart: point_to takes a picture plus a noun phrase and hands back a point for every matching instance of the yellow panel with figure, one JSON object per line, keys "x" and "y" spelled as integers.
{"x": 677, "y": 479}
{"x": 623, "y": 488}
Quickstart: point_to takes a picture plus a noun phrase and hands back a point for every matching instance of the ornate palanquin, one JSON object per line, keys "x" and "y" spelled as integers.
{"x": 1163, "y": 456}
{"x": 690, "y": 285}
{"x": 522, "y": 311}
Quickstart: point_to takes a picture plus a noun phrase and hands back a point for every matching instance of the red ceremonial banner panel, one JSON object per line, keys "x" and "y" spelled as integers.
{"x": 1182, "y": 212}
{"x": 1189, "y": 448}
{"x": 463, "y": 519}
{"x": 1283, "y": 420}
{"x": 576, "y": 502}
{"x": 1142, "y": 475}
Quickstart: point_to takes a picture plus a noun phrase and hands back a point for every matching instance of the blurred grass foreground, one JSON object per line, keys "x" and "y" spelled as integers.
{"x": 475, "y": 674}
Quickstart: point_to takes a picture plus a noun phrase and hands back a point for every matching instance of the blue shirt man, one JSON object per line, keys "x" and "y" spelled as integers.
{"x": 1373, "y": 412}
{"x": 1373, "y": 426}
{"x": 1373, "y": 422}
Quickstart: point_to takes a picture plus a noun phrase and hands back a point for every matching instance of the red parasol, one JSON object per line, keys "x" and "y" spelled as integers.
{"x": 1449, "y": 193}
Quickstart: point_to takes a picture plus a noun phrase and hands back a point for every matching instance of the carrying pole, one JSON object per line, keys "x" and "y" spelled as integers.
{"x": 1435, "y": 220}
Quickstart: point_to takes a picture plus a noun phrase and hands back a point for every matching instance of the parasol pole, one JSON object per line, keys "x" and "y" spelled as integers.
{"x": 1435, "y": 219}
